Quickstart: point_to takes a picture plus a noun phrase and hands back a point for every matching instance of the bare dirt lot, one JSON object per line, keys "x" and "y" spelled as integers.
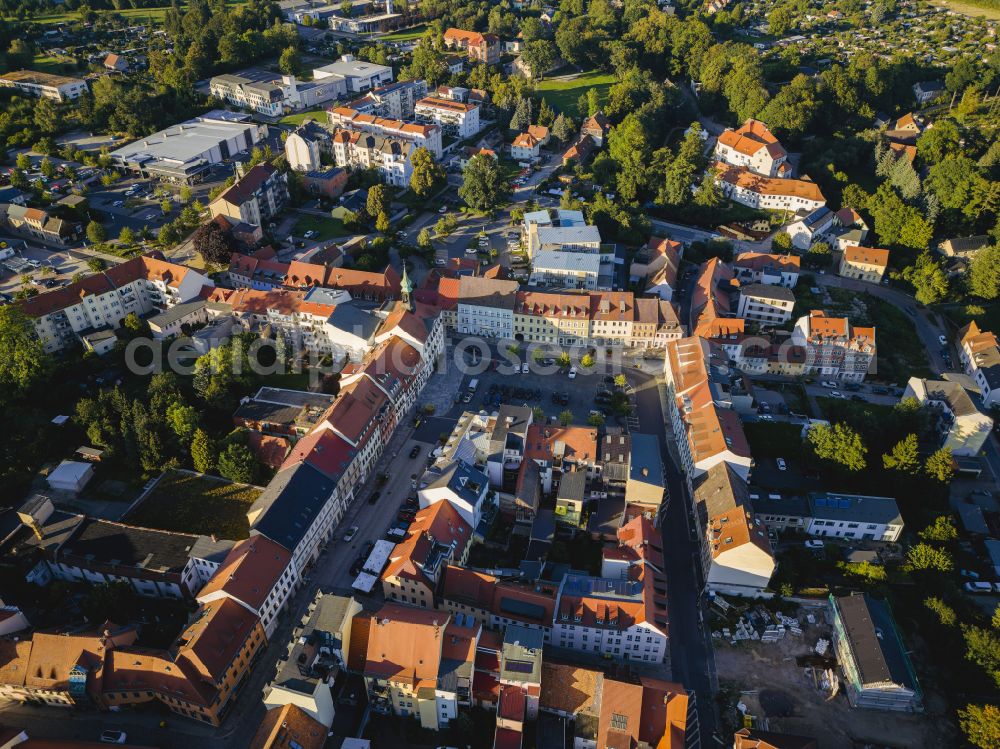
{"x": 771, "y": 685}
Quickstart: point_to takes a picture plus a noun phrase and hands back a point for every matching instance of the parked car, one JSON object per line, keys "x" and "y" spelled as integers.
{"x": 525, "y": 369}
{"x": 838, "y": 394}
{"x": 943, "y": 341}
{"x": 766, "y": 417}
{"x": 969, "y": 574}
{"x": 351, "y": 533}
{"x": 978, "y": 587}
{"x": 572, "y": 373}
{"x": 814, "y": 544}
{"x": 414, "y": 452}
{"x": 782, "y": 466}
{"x": 309, "y": 234}
{"x": 113, "y": 737}
{"x": 828, "y": 384}
{"x": 374, "y": 497}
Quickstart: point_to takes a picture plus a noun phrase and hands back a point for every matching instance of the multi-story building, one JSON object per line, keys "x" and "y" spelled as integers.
{"x": 305, "y": 146}
{"x": 389, "y": 157}
{"x": 753, "y": 146}
{"x": 461, "y": 485}
{"x": 105, "y": 299}
{"x": 256, "y": 198}
{"x": 258, "y": 575}
{"x": 835, "y": 348}
{"x": 768, "y": 305}
{"x": 873, "y": 660}
{"x": 396, "y": 100}
{"x": 486, "y": 307}
{"x": 961, "y": 427}
{"x": 771, "y": 193}
{"x": 419, "y": 663}
{"x": 656, "y": 263}
{"x": 809, "y": 227}
{"x": 45, "y": 85}
{"x": 40, "y": 224}
{"x": 527, "y": 144}
{"x": 420, "y": 134}
{"x": 707, "y": 433}
{"x": 710, "y": 313}
{"x": 483, "y": 48}
{"x": 736, "y": 556}
{"x": 358, "y": 76}
{"x": 457, "y": 119}
{"x": 864, "y": 263}
{"x": 980, "y": 356}
{"x": 272, "y": 94}
{"x": 773, "y": 270}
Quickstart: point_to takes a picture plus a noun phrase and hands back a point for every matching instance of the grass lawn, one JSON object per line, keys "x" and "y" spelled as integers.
{"x": 197, "y": 504}
{"x": 52, "y": 64}
{"x": 970, "y": 8}
{"x": 299, "y": 117}
{"x": 901, "y": 354}
{"x": 563, "y": 95}
{"x": 324, "y": 226}
{"x": 959, "y": 315}
{"x": 405, "y": 35}
{"x": 152, "y": 16}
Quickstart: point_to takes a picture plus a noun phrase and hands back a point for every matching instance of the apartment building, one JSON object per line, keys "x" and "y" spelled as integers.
{"x": 40, "y": 224}
{"x": 656, "y": 263}
{"x": 561, "y": 229}
{"x": 256, "y": 198}
{"x": 306, "y": 145}
{"x": 483, "y": 48}
{"x": 736, "y": 557}
{"x": 395, "y": 101}
{"x": 358, "y": 76}
{"x": 961, "y": 426}
{"x": 828, "y": 514}
{"x": 710, "y": 313}
{"x": 102, "y": 301}
{"x": 863, "y": 263}
{"x": 485, "y": 307}
{"x": 770, "y": 193}
{"x": 768, "y": 305}
{"x": 271, "y": 94}
{"x": 456, "y": 119}
{"x": 834, "y": 348}
{"x": 873, "y": 660}
{"x": 764, "y": 268}
{"x": 420, "y": 134}
{"x": 257, "y": 574}
{"x": 707, "y": 432}
{"x": 390, "y": 157}
{"x": 461, "y": 485}
{"x": 980, "y": 356}
{"x": 45, "y": 85}
{"x": 809, "y": 227}
{"x": 754, "y": 147}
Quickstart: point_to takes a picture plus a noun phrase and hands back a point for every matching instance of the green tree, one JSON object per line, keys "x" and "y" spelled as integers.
{"x": 23, "y": 162}
{"x": 446, "y": 225}
{"x": 945, "y": 613}
{"x": 23, "y": 361}
{"x": 540, "y": 55}
{"x": 923, "y": 556}
{"x": 183, "y": 421}
{"x": 482, "y": 188}
{"x": 930, "y": 284}
{"x": 620, "y": 380}
{"x": 165, "y": 206}
{"x": 781, "y": 242}
{"x": 984, "y": 273}
{"x": 708, "y": 194}
{"x": 982, "y": 647}
{"x": 940, "y": 465}
{"x": 939, "y": 142}
{"x": 981, "y": 725}
{"x": 628, "y": 146}
{"x": 562, "y": 128}
{"x": 427, "y": 176}
{"x": 133, "y": 323}
{"x": 941, "y": 530}
{"x": 595, "y": 420}
{"x": 289, "y": 63}
{"x": 424, "y": 241}
{"x": 96, "y": 232}
{"x": 780, "y": 20}
{"x": 47, "y": 167}
{"x": 236, "y": 463}
{"x": 95, "y": 264}
{"x": 126, "y": 235}
{"x": 903, "y": 456}
{"x": 522, "y": 115}
{"x": 382, "y": 222}
{"x": 587, "y": 361}
{"x": 202, "y": 451}
{"x": 565, "y": 418}
{"x": 378, "y": 200}
{"x": 839, "y": 444}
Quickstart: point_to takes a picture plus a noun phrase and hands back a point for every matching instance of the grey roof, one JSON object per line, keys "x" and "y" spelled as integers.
{"x": 719, "y": 490}
{"x": 177, "y": 312}
{"x": 874, "y": 641}
{"x": 571, "y": 234}
{"x": 768, "y": 292}
{"x": 581, "y": 262}
{"x": 646, "y": 464}
{"x": 953, "y": 394}
{"x": 573, "y": 486}
{"x": 511, "y": 421}
{"x": 615, "y": 454}
{"x": 351, "y": 319}
{"x": 185, "y": 142}
{"x": 117, "y": 544}
{"x": 487, "y": 292}
{"x": 854, "y": 508}
{"x": 816, "y": 216}
{"x": 464, "y": 480}
{"x": 355, "y": 68}
{"x": 521, "y": 655}
{"x": 795, "y": 506}
{"x": 306, "y": 663}
{"x": 293, "y": 500}
{"x": 56, "y": 530}
{"x": 294, "y": 397}
{"x": 211, "y": 549}
{"x": 972, "y": 518}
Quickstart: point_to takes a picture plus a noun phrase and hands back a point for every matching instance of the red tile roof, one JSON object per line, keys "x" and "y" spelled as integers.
{"x": 249, "y": 572}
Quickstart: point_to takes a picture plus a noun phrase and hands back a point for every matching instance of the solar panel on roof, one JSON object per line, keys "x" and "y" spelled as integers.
{"x": 520, "y": 667}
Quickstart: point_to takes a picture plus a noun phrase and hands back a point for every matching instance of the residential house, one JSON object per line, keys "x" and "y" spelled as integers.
{"x": 754, "y": 738}
{"x": 579, "y": 151}
{"x": 754, "y": 147}
{"x": 289, "y": 727}
{"x": 736, "y": 558}
{"x": 771, "y": 193}
{"x": 646, "y": 485}
{"x": 964, "y": 247}
{"x": 256, "y": 198}
{"x": 455, "y": 118}
{"x": 710, "y": 313}
{"x": 980, "y": 356}
{"x": 596, "y": 127}
{"x": 873, "y": 661}
{"x": 427, "y": 135}
{"x": 486, "y": 307}
{"x": 395, "y": 100}
{"x": 458, "y": 483}
{"x": 43, "y": 225}
{"x": 961, "y": 426}
{"x": 305, "y": 146}
{"x": 809, "y": 227}
{"x": 864, "y": 264}
{"x": 835, "y": 348}
{"x": 768, "y": 305}
{"x": 927, "y": 91}
{"x": 273, "y": 94}
{"x": 655, "y": 264}
{"x": 330, "y": 183}
{"x": 763, "y": 268}
{"x": 483, "y": 48}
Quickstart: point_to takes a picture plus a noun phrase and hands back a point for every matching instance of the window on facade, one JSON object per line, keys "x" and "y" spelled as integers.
{"x": 619, "y": 722}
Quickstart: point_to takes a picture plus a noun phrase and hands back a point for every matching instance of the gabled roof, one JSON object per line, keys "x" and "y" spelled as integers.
{"x": 769, "y": 186}
{"x": 211, "y": 642}
{"x": 750, "y": 138}
{"x": 250, "y": 571}
{"x": 252, "y": 181}
{"x": 867, "y": 256}
{"x": 294, "y": 499}
{"x": 645, "y": 712}
{"x": 404, "y": 645}
{"x": 289, "y": 727}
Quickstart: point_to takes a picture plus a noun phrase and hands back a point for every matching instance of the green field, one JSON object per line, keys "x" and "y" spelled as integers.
{"x": 986, "y": 9}
{"x": 152, "y": 16}
{"x": 405, "y": 35}
{"x": 187, "y": 503}
{"x": 299, "y": 117}
{"x": 325, "y": 227}
{"x": 562, "y": 94}
{"x": 52, "y": 64}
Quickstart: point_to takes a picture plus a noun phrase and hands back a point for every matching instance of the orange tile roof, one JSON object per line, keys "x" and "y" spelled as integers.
{"x": 249, "y": 572}
{"x": 404, "y": 645}
{"x": 469, "y": 586}
{"x": 735, "y": 528}
{"x": 216, "y": 636}
{"x": 268, "y": 448}
{"x": 455, "y": 106}
{"x": 14, "y": 658}
{"x": 132, "y": 669}
{"x": 823, "y": 326}
{"x": 574, "y": 443}
{"x": 759, "y": 260}
{"x": 710, "y": 310}
{"x": 749, "y": 138}
{"x": 569, "y": 688}
{"x": 653, "y": 712}
{"x": 867, "y": 256}
{"x": 289, "y": 727}
{"x": 525, "y": 140}
{"x": 538, "y": 132}
{"x": 357, "y": 654}
{"x": 747, "y": 180}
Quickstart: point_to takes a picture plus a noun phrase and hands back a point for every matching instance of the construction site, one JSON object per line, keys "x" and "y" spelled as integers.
{"x": 778, "y": 671}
